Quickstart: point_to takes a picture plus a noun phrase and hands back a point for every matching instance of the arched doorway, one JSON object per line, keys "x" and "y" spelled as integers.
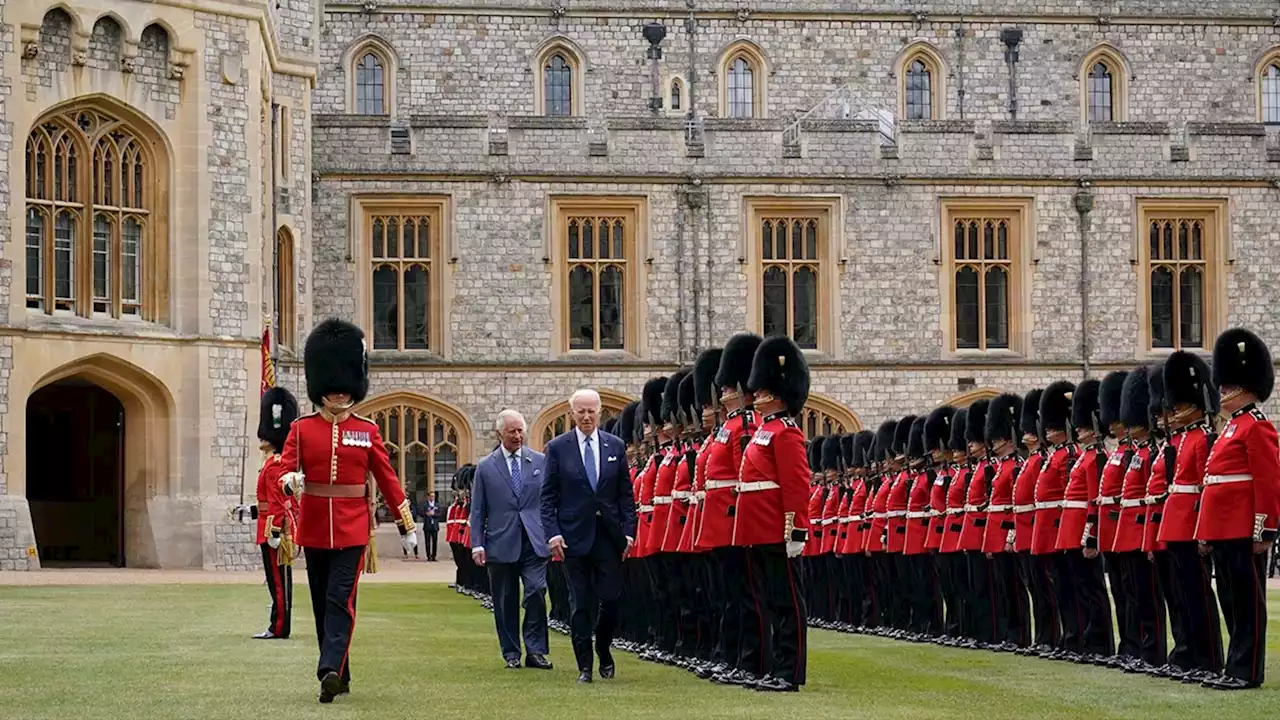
{"x": 75, "y": 473}
{"x": 556, "y": 418}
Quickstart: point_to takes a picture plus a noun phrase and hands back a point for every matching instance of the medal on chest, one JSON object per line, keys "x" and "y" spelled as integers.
{"x": 763, "y": 437}
{"x": 1136, "y": 463}
{"x": 357, "y": 438}
{"x": 723, "y": 435}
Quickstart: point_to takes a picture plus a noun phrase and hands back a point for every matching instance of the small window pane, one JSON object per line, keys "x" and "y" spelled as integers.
{"x": 1100, "y": 108}
{"x": 410, "y": 238}
{"x": 582, "y": 331}
{"x": 973, "y": 241}
{"x": 797, "y": 240}
{"x": 1191, "y": 308}
{"x": 64, "y": 263}
{"x": 604, "y": 233}
{"x": 35, "y": 256}
{"x": 588, "y": 239}
{"x": 379, "y": 232}
{"x": 369, "y": 86}
{"x": 1002, "y": 240}
{"x": 611, "y": 288}
{"x": 1162, "y": 308}
{"x": 988, "y": 240}
{"x": 417, "y": 308}
{"x": 101, "y": 263}
{"x": 575, "y": 252}
{"x": 393, "y": 237}
{"x": 741, "y": 87}
{"x": 805, "y": 313}
{"x": 619, "y": 234}
{"x": 424, "y": 238}
{"x": 997, "y": 308}
{"x": 1183, "y": 239}
{"x": 1197, "y": 241}
{"x": 676, "y": 90}
{"x": 780, "y": 240}
{"x": 1271, "y": 94}
{"x": 766, "y": 239}
{"x": 131, "y": 277}
{"x": 386, "y": 309}
{"x": 557, "y": 79}
{"x": 959, "y": 239}
{"x": 967, "y": 336}
{"x": 919, "y": 91}
{"x": 775, "y": 301}
{"x": 811, "y": 240}
{"x": 1167, "y": 252}
{"x": 1155, "y": 241}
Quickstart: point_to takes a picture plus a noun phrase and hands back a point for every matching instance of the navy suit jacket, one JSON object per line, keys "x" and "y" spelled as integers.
{"x": 498, "y": 517}
{"x": 570, "y": 508}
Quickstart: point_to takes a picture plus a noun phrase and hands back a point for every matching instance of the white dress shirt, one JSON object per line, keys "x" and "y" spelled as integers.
{"x": 595, "y": 448}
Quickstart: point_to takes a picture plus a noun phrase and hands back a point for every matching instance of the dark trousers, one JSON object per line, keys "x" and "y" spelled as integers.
{"x": 280, "y": 585}
{"x": 704, "y": 615}
{"x": 953, "y": 569}
{"x": 1242, "y": 589}
{"x": 887, "y": 586}
{"x": 333, "y": 576}
{"x": 777, "y": 587}
{"x": 871, "y": 602}
{"x": 432, "y": 538}
{"x": 558, "y": 589}
{"x": 461, "y": 559}
{"x": 506, "y": 579}
{"x": 1013, "y": 605}
{"x": 853, "y": 595}
{"x": 1146, "y": 606}
{"x": 1037, "y": 575}
{"x": 981, "y": 597}
{"x": 595, "y": 584}
{"x": 926, "y": 609}
{"x": 1200, "y": 644}
{"x": 732, "y": 604}
{"x": 1064, "y": 596}
{"x": 1123, "y": 594}
{"x": 1091, "y": 604}
{"x": 681, "y": 576}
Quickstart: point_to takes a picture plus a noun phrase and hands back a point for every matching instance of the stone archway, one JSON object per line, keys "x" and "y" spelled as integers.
{"x": 144, "y": 449}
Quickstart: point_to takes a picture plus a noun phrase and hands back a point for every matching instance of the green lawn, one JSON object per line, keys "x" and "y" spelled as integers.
{"x": 422, "y": 651}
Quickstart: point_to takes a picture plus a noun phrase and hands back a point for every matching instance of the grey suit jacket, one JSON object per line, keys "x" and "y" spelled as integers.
{"x": 498, "y": 516}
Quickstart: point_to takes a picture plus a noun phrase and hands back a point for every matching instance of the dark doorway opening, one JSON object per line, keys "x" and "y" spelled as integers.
{"x": 75, "y": 474}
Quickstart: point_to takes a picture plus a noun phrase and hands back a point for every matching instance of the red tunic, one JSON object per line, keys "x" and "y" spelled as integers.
{"x": 451, "y": 523}
{"x": 954, "y": 520}
{"x": 1024, "y": 502}
{"x": 1178, "y": 523}
{"x": 1157, "y": 492}
{"x": 1000, "y": 523}
{"x": 724, "y": 463}
{"x": 1131, "y": 511}
{"x": 1108, "y": 504}
{"x": 681, "y": 494}
{"x": 464, "y": 522}
{"x": 1079, "y": 497}
{"x": 1234, "y": 507}
{"x": 918, "y": 513}
{"x": 844, "y": 523}
{"x": 663, "y": 487}
{"x": 896, "y": 513}
{"x": 866, "y": 511}
{"x": 938, "y": 508}
{"x": 275, "y": 509}
{"x": 879, "y": 519}
{"x": 1051, "y": 486}
{"x": 813, "y": 543}
{"x": 648, "y": 480}
{"x": 830, "y": 519}
{"x": 347, "y": 452}
{"x": 698, "y": 494}
{"x": 775, "y": 483}
{"x": 857, "y": 505}
{"x": 974, "y": 530}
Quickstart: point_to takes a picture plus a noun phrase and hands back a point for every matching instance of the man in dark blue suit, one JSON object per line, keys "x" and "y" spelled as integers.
{"x": 506, "y": 537}
{"x": 589, "y": 516}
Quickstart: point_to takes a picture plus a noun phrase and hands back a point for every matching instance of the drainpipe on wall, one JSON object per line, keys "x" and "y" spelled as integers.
{"x": 960, "y": 33}
{"x": 1084, "y": 206}
{"x": 681, "y": 215}
{"x": 1011, "y": 37}
{"x": 691, "y": 29}
{"x": 694, "y": 199}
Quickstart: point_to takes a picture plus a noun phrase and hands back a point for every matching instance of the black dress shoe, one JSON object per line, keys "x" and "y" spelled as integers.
{"x": 538, "y": 661}
{"x": 584, "y": 677}
{"x": 608, "y": 671}
{"x": 513, "y": 663}
{"x": 1226, "y": 682}
{"x": 773, "y": 684}
{"x": 331, "y": 686}
{"x": 268, "y": 635}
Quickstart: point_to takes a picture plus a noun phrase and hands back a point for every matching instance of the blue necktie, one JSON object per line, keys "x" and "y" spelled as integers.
{"x": 515, "y": 474}
{"x": 589, "y": 462}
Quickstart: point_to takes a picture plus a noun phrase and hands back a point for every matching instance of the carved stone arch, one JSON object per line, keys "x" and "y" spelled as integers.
{"x": 578, "y": 64}
{"x": 428, "y": 440}
{"x": 824, "y": 416}
{"x": 78, "y": 26}
{"x": 761, "y": 68}
{"x": 126, "y": 31}
{"x": 931, "y": 57}
{"x": 555, "y": 419}
{"x": 1268, "y": 106}
{"x": 1120, "y": 71}
{"x": 387, "y": 55}
{"x": 366, "y": 41}
{"x": 965, "y": 399}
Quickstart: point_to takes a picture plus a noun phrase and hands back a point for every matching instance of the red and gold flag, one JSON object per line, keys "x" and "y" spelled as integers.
{"x": 268, "y": 367}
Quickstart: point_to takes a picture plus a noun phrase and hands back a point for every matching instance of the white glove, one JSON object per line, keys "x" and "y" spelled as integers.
{"x": 409, "y": 541}
{"x": 273, "y": 541}
{"x": 794, "y": 548}
{"x": 292, "y": 483}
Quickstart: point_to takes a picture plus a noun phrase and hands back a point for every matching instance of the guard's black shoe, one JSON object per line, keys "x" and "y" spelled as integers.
{"x": 539, "y": 662}
{"x": 268, "y": 635}
{"x": 513, "y": 663}
{"x": 773, "y": 684}
{"x": 584, "y": 677}
{"x": 1226, "y": 682}
{"x": 331, "y": 686}
{"x": 607, "y": 672}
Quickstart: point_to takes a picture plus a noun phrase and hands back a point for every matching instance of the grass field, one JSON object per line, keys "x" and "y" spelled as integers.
{"x": 422, "y": 651}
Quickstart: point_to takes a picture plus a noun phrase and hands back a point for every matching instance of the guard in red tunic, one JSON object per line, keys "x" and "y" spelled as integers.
{"x": 982, "y": 599}
{"x": 1106, "y": 512}
{"x": 1190, "y": 400}
{"x": 335, "y": 458}
{"x": 1013, "y": 610}
{"x": 848, "y": 593}
{"x": 739, "y": 617}
{"x": 772, "y": 520}
{"x": 863, "y": 601}
{"x": 954, "y": 563}
{"x": 675, "y": 476}
{"x": 1051, "y": 486}
{"x": 631, "y": 623}
{"x": 825, "y": 578}
{"x": 704, "y": 411}
{"x": 656, "y": 498}
{"x": 937, "y": 439}
{"x": 275, "y": 515}
{"x": 1139, "y": 573}
{"x": 899, "y": 613}
{"x": 1034, "y": 569}
{"x": 877, "y": 527}
{"x": 813, "y": 544}
{"x": 1240, "y": 511}
{"x": 1076, "y": 541}
{"x": 926, "y": 601}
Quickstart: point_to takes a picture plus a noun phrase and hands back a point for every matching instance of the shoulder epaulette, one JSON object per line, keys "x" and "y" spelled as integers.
{"x": 362, "y": 417}
{"x": 790, "y": 422}
{"x": 1258, "y": 414}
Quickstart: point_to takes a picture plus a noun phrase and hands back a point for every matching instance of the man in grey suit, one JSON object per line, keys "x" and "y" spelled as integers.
{"x": 507, "y": 538}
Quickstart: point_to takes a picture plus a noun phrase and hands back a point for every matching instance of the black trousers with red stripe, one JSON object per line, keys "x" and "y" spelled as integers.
{"x": 1092, "y": 604}
{"x": 1146, "y": 606}
{"x": 1045, "y": 615}
{"x": 1013, "y": 613}
{"x": 777, "y": 586}
{"x": 1242, "y": 589}
{"x": 1197, "y": 635}
{"x": 333, "y": 576}
{"x": 280, "y": 585}
{"x": 981, "y": 598}
{"x": 734, "y": 610}
{"x": 1123, "y": 592}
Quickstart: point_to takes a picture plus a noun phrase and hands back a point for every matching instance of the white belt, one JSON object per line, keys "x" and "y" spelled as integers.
{"x": 1055, "y": 505}
{"x": 757, "y": 486}
{"x": 845, "y": 520}
{"x": 453, "y": 522}
{"x": 646, "y": 508}
{"x": 1024, "y": 508}
{"x": 1185, "y": 489}
{"x": 662, "y": 500}
{"x": 896, "y": 514}
{"x": 1223, "y": 479}
{"x": 954, "y": 511}
{"x": 1135, "y": 502}
{"x": 878, "y": 516}
{"x": 918, "y": 515}
{"x": 936, "y": 513}
{"x": 721, "y": 484}
{"x": 826, "y": 521}
{"x": 700, "y": 496}
{"x": 1150, "y": 500}
{"x": 1076, "y": 504}
{"x": 973, "y": 508}
{"x": 1103, "y": 501}
{"x": 681, "y": 495}
{"x": 856, "y": 518}
{"x": 999, "y": 508}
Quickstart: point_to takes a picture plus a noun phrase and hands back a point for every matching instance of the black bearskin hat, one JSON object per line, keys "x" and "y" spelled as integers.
{"x": 671, "y": 396}
{"x": 915, "y": 439}
{"x": 831, "y": 453}
{"x": 609, "y": 426}
{"x": 976, "y": 423}
{"x": 1084, "y": 404}
{"x": 1030, "y": 423}
{"x": 704, "y": 376}
{"x": 846, "y": 449}
{"x": 627, "y": 423}
{"x": 735, "y": 361}
{"x": 1155, "y": 395}
{"x": 1241, "y": 359}
{"x": 1055, "y": 407}
{"x": 463, "y": 477}
{"x": 815, "y": 453}
{"x": 883, "y": 446}
{"x": 1109, "y": 398}
{"x": 637, "y": 423}
{"x": 780, "y": 368}
{"x": 336, "y": 362}
{"x": 687, "y": 404}
{"x": 901, "y": 435}
{"x": 959, "y": 423}
{"x": 862, "y": 448}
{"x": 1004, "y": 415}
{"x": 1134, "y": 398}
{"x": 277, "y": 412}
{"x": 937, "y": 428}
{"x": 651, "y": 396}
{"x": 1188, "y": 379}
